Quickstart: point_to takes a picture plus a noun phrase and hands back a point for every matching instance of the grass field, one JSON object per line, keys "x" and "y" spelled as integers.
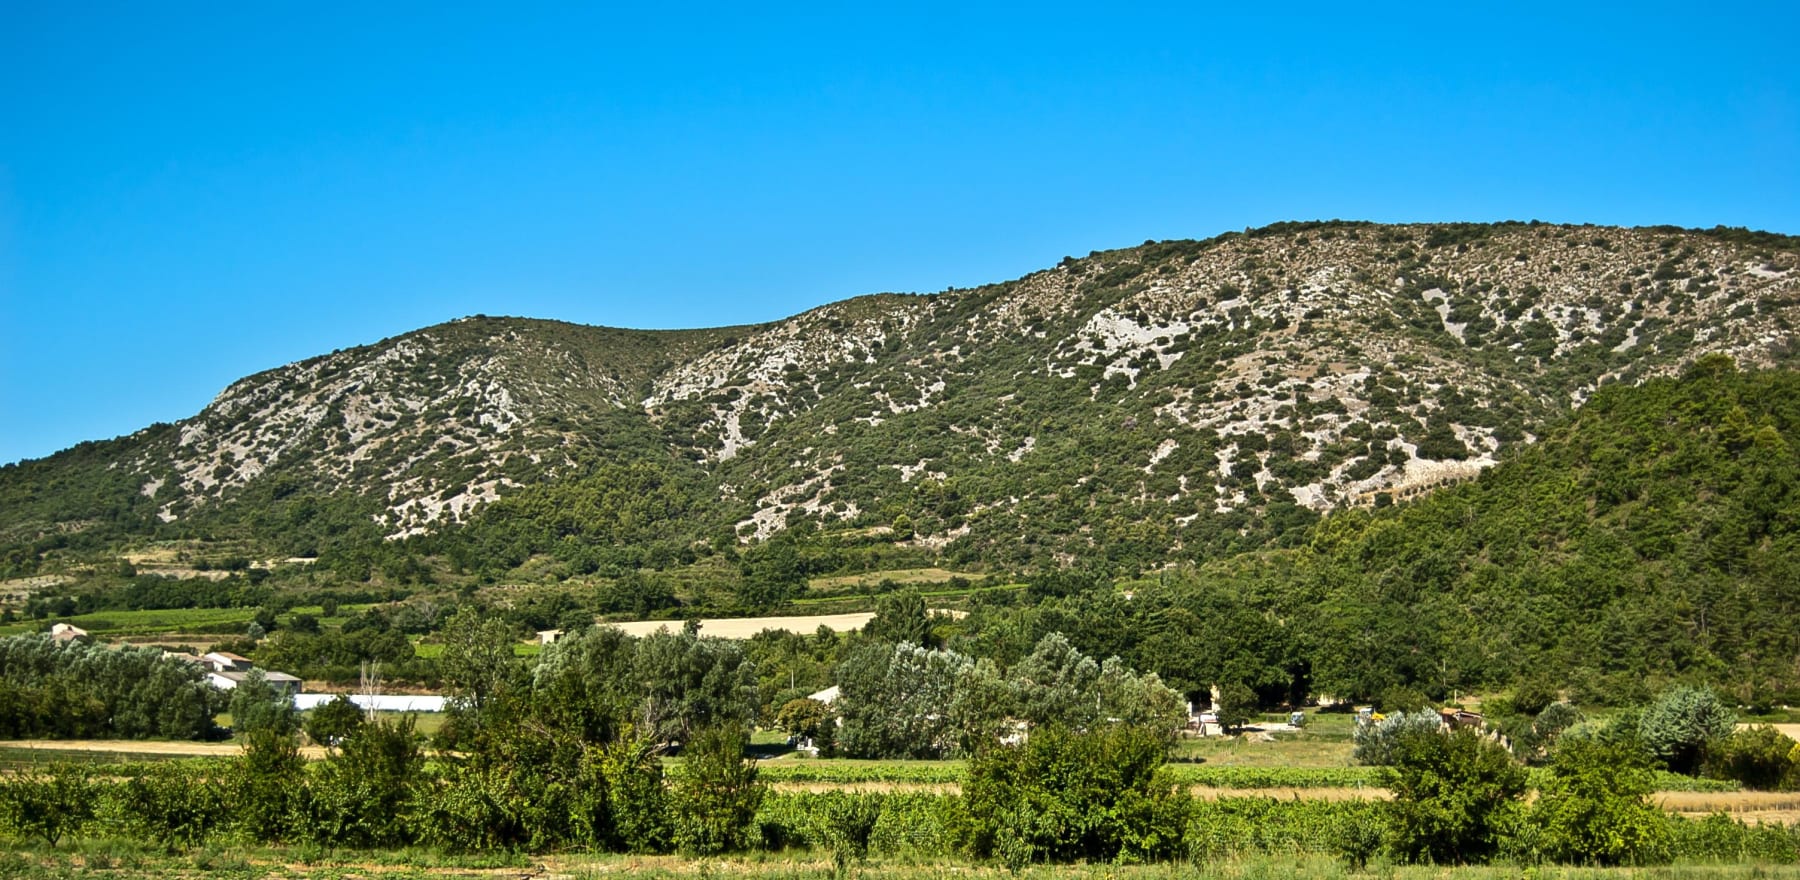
{"x": 187, "y": 621}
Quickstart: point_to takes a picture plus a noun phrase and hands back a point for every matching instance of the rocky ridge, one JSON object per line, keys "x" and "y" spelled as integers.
{"x": 1133, "y": 394}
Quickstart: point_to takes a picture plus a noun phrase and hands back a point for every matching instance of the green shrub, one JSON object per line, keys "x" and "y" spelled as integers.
{"x": 1758, "y": 757}
{"x": 1454, "y": 795}
{"x": 1594, "y": 806}
{"x": 170, "y": 806}
{"x": 1063, "y": 796}
{"x": 1377, "y": 741}
{"x": 716, "y": 796}
{"x": 48, "y": 804}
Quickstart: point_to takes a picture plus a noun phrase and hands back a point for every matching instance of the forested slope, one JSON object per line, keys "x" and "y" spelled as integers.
{"x": 1653, "y": 537}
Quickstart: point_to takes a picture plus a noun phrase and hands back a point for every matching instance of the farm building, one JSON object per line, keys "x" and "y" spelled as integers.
{"x": 280, "y": 681}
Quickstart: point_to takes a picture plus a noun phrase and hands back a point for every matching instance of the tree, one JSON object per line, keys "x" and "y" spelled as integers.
{"x": 901, "y": 617}
{"x": 1377, "y": 742}
{"x": 1594, "y": 806}
{"x": 364, "y": 795}
{"x": 804, "y": 717}
{"x": 894, "y": 699}
{"x": 1454, "y": 795}
{"x": 330, "y": 723}
{"x": 258, "y": 706}
{"x": 265, "y": 780}
{"x": 1064, "y": 795}
{"x": 1679, "y": 724}
{"x": 717, "y": 794}
{"x": 1237, "y": 706}
{"x": 48, "y": 804}
{"x": 478, "y": 665}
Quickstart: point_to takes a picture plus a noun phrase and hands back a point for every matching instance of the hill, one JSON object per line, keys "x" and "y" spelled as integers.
{"x": 1176, "y": 400}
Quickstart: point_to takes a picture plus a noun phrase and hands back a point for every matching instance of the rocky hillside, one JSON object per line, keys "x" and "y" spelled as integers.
{"x": 1184, "y": 397}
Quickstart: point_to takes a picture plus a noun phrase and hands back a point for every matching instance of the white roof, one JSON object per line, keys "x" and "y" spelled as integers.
{"x": 377, "y": 702}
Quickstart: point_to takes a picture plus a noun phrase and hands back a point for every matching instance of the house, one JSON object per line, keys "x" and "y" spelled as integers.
{"x": 280, "y": 681}
{"x": 65, "y": 633}
{"x": 826, "y": 696}
{"x": 549, "y": 636}
{"x": 224, "y": 661}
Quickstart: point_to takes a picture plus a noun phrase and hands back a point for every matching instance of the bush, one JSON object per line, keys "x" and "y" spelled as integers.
{"x": 1594, "y": 806}
{"x": 1454, "y": 795}
{"x": 1376, "y": 741}
{"x": 171, "y": 807}
{"x": 1064, "y": 796}
{"x": 47, "y": 804}
{"x": 334, "y": 721}
{"x": 1760, "y": 757}
{"x": 716, "y": 796}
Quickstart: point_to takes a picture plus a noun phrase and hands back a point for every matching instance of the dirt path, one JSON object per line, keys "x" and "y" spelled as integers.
{"x": 142, "y": 747}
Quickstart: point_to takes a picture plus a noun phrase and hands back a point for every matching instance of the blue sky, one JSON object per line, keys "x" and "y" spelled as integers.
{"x": 190, "y": 193}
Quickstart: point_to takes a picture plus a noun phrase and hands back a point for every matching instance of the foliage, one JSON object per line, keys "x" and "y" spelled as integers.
{"x": 1760, "y": 757}
{"x": 365, "y": 794}
{"x": 1677, "y": 727}
{"x": 170, "y": 807}
{"x": 47, "y": 803}
{"x": 334, "y": 721}
{"x": 1594, "y": 806}
{"x": 893, "y": 701}
{"x": 1064, "y": 796}
{"x": 1378, "y": 741}
{"x": 666, "y": 685}
{"x": 257, "y": 707}
{"x": 716, "y": 796}
{"x": 1455, "y": 796}
{"x": 266, "y": 783}
{"x": 88, "y": 691}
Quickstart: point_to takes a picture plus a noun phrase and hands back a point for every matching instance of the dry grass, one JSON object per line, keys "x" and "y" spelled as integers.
{"x": 141, "y": 747}
{"x": 745, "y": 627}
{"x": 898, "y": 575}
{"x": 1775, "y": 807}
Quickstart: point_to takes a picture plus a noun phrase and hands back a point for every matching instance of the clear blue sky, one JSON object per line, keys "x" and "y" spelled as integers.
{"x": 192, "y": 192}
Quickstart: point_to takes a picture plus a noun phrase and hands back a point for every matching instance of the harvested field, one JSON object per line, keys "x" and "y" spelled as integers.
{"x": 1779, "y": 807}
{"x": 1791, "y": 731}
{"x": 745, "y": 627}
{"x": 140, "y": 747}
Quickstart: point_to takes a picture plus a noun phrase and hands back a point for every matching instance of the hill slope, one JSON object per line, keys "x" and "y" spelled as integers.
{"x": 1178, "y": 398}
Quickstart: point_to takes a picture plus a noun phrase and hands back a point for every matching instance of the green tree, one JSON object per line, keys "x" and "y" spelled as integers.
{"x": 1677, "y": 727}
{"x": 1237, "y": 706}
{"x": 717, "y": 794}
{"x": 330, "y": 723}
{"x": 901, "y": 617}
{"x": 48, "y": 803}
{"x": 1063, "y": 796}
{"x": 478, "y": 666}
{"x": 1760, "y": 757}
{"x": 257, "y": 706}
{"x": 893, "y": 700}
{"x": 264, "y": 782}
{"x": 1594, "y": 806}
{"x": 1454, "y": 796}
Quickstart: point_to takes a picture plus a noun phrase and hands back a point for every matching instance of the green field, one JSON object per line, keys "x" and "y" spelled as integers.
{"x": 167, "y": 621}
